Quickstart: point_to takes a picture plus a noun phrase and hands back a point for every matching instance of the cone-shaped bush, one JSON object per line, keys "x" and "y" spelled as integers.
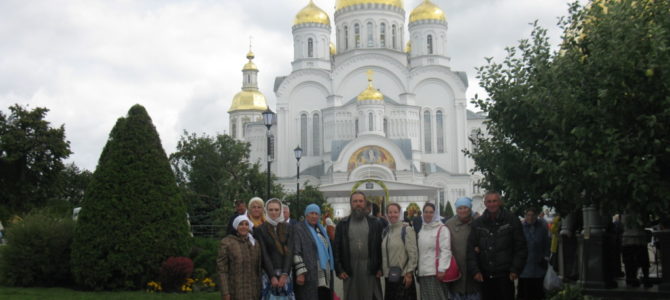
{"x": 132, "y": 216}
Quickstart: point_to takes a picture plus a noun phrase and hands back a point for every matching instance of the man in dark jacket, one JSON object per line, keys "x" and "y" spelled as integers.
{"x": 240, "y": 209}
{"x": 358, "y": 256}
{"x": 496, "y": 250}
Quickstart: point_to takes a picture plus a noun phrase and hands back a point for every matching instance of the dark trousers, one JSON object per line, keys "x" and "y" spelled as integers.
{"x": 635, "y": 257}
{"x": 530, "y": 289}
{"x": 500, "y": 288}
{"x": 325, "y": 293}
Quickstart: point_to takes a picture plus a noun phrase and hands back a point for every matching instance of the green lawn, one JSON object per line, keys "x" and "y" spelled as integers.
{"x": 68, "y": 294}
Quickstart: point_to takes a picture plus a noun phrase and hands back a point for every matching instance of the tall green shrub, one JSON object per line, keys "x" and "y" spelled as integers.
{"x": 37, "y": 252}
{"x": 132, "y": 216}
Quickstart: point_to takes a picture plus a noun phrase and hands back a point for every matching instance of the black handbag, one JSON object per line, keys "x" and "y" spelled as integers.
{"x": 395, "y": 274}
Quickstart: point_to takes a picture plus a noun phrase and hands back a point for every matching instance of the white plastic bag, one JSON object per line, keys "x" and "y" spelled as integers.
{"x": 551, "y": 280}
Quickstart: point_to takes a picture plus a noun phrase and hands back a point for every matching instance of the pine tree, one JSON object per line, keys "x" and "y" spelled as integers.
{"x": 132, "y": 216}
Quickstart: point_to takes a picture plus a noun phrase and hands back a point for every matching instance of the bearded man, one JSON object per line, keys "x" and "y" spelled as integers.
{"x": 358, "y": 256}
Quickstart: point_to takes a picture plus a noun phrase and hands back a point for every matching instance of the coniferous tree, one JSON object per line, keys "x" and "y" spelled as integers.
{"x": 132, "y": 216}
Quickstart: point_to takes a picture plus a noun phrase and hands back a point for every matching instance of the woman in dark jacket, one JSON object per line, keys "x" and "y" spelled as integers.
{"x": 313, "y": 257}
{"x": 239, "y": 263}
{"x": 276, "y": 239}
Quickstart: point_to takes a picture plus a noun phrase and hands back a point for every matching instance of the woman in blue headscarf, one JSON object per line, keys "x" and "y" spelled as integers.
{"x": 313, "y": 258}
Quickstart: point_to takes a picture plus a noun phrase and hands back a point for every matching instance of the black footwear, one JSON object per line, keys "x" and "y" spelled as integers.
{"x": 633, "y": 282}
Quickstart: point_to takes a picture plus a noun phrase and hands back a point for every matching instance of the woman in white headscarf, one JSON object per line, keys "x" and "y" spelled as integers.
{"x": 276, "y": 239}
{"x": 433, "y": 261}
{"x": 239, "y": 263}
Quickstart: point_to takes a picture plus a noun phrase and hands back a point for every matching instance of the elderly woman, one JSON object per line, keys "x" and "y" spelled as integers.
{"x": 255, "y": 211}
{"x": 466, "y": 288}
{"x": 432, "y": 230}
{"x": 399, "y": 253}
{"x": 313, "y": 257}
{"x": 276, "y": 239}
{"x": 239, "y": 263}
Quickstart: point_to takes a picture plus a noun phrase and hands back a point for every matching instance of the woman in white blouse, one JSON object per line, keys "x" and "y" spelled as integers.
{"x": 431, "y": 269}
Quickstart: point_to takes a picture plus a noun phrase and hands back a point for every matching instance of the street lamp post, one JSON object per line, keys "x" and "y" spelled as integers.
{"x": 298, "y": 154}
{"x": 268, "y": 118}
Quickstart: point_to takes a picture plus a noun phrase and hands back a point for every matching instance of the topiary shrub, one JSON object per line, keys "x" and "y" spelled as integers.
{"x": 132, "y": 217}
{"x": 37, "y": 252}
{"x": 174, "y": 273}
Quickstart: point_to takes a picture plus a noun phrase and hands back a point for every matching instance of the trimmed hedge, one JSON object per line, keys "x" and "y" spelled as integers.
{"x": 37, "y": 252}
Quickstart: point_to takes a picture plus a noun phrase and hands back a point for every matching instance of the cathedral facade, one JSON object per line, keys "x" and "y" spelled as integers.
{"x": 371, "y": 109}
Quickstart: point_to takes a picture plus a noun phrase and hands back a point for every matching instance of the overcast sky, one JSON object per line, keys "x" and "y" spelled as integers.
{"x": 89, "y": 61}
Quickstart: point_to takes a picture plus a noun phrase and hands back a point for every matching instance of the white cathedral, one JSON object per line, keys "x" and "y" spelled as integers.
{"x": 368, "y": 113}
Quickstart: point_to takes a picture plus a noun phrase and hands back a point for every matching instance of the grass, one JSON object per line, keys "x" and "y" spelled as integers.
{"x": 68, "y": 294}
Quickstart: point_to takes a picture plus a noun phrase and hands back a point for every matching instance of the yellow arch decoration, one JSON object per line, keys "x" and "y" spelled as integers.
{"x": 379, "y": 182}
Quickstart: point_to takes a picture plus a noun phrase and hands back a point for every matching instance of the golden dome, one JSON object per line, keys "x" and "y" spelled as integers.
{"x": 427, "y": 11}
{"x": 333, "y": 51}
{"x": 250, "y": 65}
{"x": 311, "y": 14}
{"x": 248, "y": 100}
{"x": 370, "y": 93}
{"x": 339, "y": 4}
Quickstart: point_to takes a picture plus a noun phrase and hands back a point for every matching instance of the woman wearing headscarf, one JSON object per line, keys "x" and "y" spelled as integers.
{"x": 465, "y": 288}
{"x": 239, "y": 263}
{"x": 255, "y": 211}
{"x": 399, "y": 252}
{"x": 428, "y": 272}
{"x": 276, "y": 239}
{"x": 313, "y": 258}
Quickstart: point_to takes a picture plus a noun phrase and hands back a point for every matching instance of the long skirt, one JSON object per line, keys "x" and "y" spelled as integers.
{"x": 270, "y": 293}
{"x": 397, "y": 291}
{"x": 432, "y": 289}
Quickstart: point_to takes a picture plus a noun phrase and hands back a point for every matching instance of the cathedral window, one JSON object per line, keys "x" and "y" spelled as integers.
{"x": 430, "y": 44}
{"x": 386, "y": 127}
{"x": 439, "y": 123}
{"x": 316, "y": 134}
{"x": 371, "y": 120}
{"x": 310, "y": 47}
{"x": 427, "y": 133}
{"x": 370, "y": 35}
{"x": 346, "y": 37}
{"x": 233, "y": 129}
{"x": 382, "y": 35}
{"x": 393, "y": 33}
{"x": 357, "y": 35}
{"x": 356, "y": 128}
{"x": 303, "y": 133}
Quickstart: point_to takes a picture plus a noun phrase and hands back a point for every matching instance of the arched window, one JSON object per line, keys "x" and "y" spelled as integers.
{"x": 393, "y": 33}
{"x": 234, "y": 129}
{"x": 430, "y": 44}
{"x": 382, "y": 35}
{"x": 248, "y": 78}
{"x": 371, "y": 125}
{"x": 310, "y": 47}
{"x": 356, "y": 128}
{"x": 427, "y": 132}
{"x": 439, "y": 124}
{"x": 346, "y": 37}
{"x": 303, "y": 133}
{"x": 316, "y": 134}
{"x": 386, "y": 127}
{"x": 357, "y": 35}
{"x": 370, "y": 35}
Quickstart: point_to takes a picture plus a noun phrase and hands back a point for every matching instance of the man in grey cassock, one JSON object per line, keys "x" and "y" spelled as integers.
{"x": 358, "y": 256}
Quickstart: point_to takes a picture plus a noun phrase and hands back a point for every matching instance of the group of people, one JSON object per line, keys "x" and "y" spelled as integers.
{"x": 268, "y": 256}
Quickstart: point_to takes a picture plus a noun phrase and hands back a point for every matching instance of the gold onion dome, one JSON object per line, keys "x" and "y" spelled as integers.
{"x": 345, "y": 3}
{"x": 370, "y": 93}
{"x": 248, "y": 100}
{"x": 250, "y": 65}
{"x": 311, "y": 14}
{"x": 427, "y": 11}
